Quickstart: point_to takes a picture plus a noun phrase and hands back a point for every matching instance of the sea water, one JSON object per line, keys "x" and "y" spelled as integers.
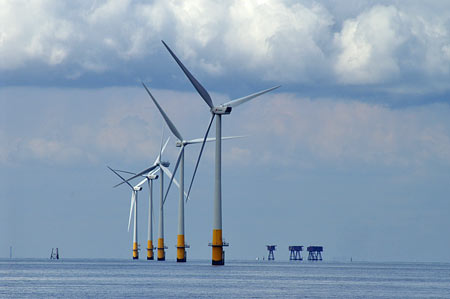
{"x": 96, "y": 278}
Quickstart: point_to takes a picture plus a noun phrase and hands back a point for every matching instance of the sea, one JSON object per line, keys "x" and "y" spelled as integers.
{"x": 120, "y": 278}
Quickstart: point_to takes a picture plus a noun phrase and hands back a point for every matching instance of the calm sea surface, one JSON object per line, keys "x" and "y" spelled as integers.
{"x": 78, "y": 278}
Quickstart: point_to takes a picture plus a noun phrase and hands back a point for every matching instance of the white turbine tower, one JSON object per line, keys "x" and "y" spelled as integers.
{"x": 150, "y": 247}
{"x": 133, "y": 209}
{"x": 181, "y": 245}
{"x": 223, "y": 109}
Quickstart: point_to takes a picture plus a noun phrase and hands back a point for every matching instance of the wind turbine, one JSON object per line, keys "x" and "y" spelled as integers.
{"x": 223, "y": 109}
{"x": 133, "y": 209}
{"x": 181, "y": 245}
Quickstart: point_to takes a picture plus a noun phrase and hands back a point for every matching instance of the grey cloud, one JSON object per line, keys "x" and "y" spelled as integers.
{"x": 70, "y": 125}
{"x": 339, "y": 132}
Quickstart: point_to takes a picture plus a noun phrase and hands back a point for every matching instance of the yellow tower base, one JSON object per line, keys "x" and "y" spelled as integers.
{"x": 150, "y": 250}
{"x": 181, "y": 249}
{"x": 217, "y": 249}
{"x": 161, "y": 252}
{"x": 135, "y": 251}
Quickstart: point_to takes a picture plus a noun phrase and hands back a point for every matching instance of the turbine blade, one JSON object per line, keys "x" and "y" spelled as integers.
{"x": 240, "y": 101}
{"x": 124, "y": 171}
{"x": 124, "y": 181}
{"x": 135, "y": 176}
{"x": 141, "y": 183}
{"x": 199, "y": 156}
{"x": 131, "y": 208}
{"x": 154, "y": 171}
{"x": 164, "y": 115}
{"x": 165, "y": 144}
{"x": 169, "y": 174}
{"x": 161, "y": 150}
{"x": 160, "y": 146}
{"x": 200, "y": 89}
{"x": 174, "y": 172}
{"x": 234, "y": 137}
{"x": 200, "y": 140}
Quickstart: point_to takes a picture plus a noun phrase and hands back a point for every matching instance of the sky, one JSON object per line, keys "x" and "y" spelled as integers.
{"x": 352, "y": 152}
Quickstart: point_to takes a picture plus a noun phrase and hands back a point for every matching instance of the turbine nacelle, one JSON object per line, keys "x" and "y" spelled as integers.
{"x": 152, "y": 176}
{"x": 137, "y": 188}
{"x": 221, "y": 110}
{"x": 180, "y": 143}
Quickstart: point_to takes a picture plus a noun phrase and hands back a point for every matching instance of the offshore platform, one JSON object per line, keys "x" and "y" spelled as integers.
{"x": 271, "y": 249}
{"x": 295, "y": 253}
{"x": 315, "y": 253}
{"x": 55, "y": 254}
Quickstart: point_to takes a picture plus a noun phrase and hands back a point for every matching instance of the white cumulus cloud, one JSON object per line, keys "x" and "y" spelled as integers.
{"x": 33, "y": 30}
{"x": 296, "y": 42}
{"x": 367, "y": 46}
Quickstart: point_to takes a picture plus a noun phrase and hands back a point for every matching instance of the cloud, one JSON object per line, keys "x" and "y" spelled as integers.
{"x": 281, "y": 40}
{"x": 313, "y": 43}
{"x": 33, "y": 33}
{"x": 91, "y": 125}
{"x": 367, "y": 47}
{"x": 303, "y": 131}
{"x": 52, "y": 150}
{"x": 73, "y": 126}
{"x": 386, "y": 44}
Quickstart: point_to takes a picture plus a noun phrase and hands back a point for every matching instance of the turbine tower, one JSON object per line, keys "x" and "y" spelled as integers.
{"x": 223, "y": 109}
{"x": 150, "y": 247}
{"x": 181, "y": 245}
